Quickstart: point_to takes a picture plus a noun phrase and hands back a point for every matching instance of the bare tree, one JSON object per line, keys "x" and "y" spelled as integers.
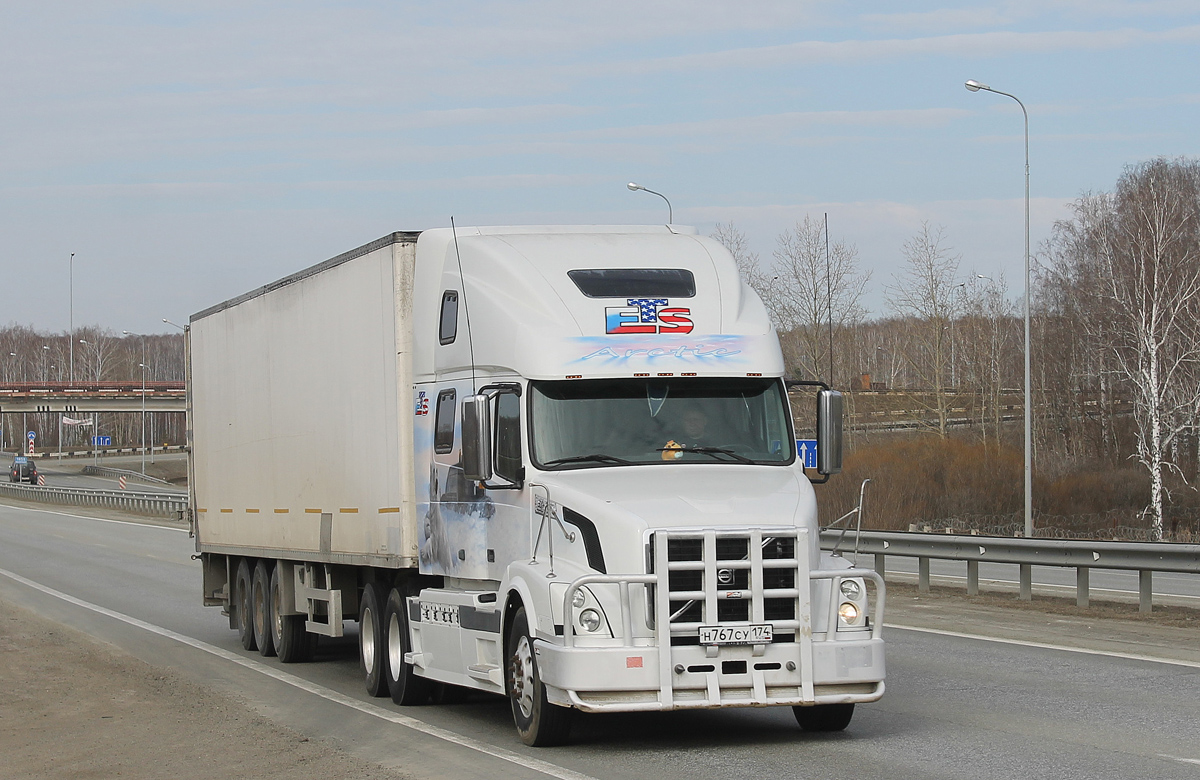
{"x": 927, "y": 296}
{"x": 815, "y": 284}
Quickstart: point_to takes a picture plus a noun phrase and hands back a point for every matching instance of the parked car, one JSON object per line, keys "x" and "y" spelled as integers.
{"x": 23, "y": 470}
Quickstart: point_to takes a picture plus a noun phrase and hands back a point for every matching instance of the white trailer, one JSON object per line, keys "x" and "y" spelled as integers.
{"x": 552, "y": 463}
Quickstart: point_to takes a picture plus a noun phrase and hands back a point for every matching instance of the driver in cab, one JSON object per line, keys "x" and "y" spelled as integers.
{"x": 693, "y": 434}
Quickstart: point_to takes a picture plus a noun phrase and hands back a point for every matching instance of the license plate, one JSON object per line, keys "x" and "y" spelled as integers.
{"x": 756, "y": 634}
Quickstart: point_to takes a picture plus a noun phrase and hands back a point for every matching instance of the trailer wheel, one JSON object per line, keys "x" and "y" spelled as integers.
{"x": 405, "y": 686}
{"x": 260, "y": 592}
{"x": 244, "y": 608}
{"x": 824, "y": 717}
{"x": 539, "y": 723}
{"x": 371, "y": 648}
{"x": 292, "y": 642}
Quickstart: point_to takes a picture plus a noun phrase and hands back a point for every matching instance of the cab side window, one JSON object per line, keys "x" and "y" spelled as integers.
{"x": 508, "y": 436}
{"x": 443, "y": 433}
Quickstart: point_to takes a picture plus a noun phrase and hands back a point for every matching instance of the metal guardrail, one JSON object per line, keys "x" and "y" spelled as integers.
{"x": 1142, "y": 557}
{"x": 105, "y": 471}
{"x": 155, "y": 504}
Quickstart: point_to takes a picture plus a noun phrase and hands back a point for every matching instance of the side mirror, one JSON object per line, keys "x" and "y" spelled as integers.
{"x": 477, "y": 438}
{"x": 829, "y": 432}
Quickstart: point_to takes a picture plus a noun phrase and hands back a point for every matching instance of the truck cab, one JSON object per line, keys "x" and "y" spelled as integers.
{"x": 611, "y": 456}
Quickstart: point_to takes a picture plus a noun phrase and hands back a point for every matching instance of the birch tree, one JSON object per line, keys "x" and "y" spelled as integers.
{"x": 814, "y": 284}
{"x": 927, "y": 296}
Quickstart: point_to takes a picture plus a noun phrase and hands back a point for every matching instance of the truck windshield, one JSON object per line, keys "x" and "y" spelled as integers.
{"x": 592, "y": 423}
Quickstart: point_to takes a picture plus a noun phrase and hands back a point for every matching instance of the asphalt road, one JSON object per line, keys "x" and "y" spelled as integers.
{"x": 956, "y": 707}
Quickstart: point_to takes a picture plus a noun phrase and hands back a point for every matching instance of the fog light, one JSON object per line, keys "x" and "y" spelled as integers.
{"x": 848, "y": 612}
{"x": 579, "y": 599}
{"x": 590, "y": 620}
{"x": 851, "y": 589}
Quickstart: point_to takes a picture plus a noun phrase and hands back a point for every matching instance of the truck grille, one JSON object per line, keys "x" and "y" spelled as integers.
{"x": 751, "y": 578}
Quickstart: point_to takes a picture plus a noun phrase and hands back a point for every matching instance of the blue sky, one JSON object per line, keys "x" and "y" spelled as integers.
{"x": 190, "y": 151}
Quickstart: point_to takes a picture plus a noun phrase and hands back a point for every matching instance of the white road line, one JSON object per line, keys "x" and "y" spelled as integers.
{"x": 536, "y": 765}
{"x": 1181, "y": 760}
{"x": 97, "y": 519}
{"x": 1046, "y": 646}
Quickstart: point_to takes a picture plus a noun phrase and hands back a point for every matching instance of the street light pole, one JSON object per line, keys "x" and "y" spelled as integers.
{"x": 142, "y": 365}
{"x": 71, "y": 308}
{"x": 975, "y": 86}
{"x": 634, "y": 187}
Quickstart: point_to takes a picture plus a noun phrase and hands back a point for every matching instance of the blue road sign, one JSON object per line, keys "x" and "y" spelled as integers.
{"x": 31, "y": 435}
{"x": 101, "y": 441}
{"x": 806, "y": 451}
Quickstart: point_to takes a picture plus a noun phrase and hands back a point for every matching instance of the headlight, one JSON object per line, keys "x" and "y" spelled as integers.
{"x": 579, "y": 599}
{"x": 851, "y": 589}
{"x": 590, "y": 620}
{"x": 848, "y": 612}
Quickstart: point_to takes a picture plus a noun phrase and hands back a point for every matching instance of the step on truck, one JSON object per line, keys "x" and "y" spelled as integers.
{"x": 557, "y": 464}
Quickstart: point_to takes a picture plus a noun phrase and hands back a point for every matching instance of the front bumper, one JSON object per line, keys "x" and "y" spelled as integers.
{"x": 669, "y": 670}
{"x": 624, "y": 679}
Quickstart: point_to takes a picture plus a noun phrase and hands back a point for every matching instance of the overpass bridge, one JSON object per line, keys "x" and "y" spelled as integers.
{"x": 87, "y": 397}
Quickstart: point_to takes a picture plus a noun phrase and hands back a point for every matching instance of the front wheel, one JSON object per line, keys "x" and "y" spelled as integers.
{"x": 824, "y": 717}
{"x": 539, "y": 723}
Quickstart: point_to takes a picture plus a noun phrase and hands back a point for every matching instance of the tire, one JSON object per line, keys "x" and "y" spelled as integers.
{"x": 292, "y": 642}
{"x": 406, "y": 687}
{"x": 372, "y": 648}
{"x": 824, "y": 717}
{"x": 243, "y": 605}
{"x": 260, "y": 592}
{"x": 539, "y": 723}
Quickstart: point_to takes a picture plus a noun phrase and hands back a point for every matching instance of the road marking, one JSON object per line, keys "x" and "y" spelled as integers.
{"x": 97, "y": 519}
{"x": 1047, "y": 646}
{"x": 1181, "y": 760}
{"x": 544, "y": 767}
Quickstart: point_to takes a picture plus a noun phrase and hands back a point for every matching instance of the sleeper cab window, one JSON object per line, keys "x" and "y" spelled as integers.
{"x": 449, "y": 323}
{"x": 443, "y": 435}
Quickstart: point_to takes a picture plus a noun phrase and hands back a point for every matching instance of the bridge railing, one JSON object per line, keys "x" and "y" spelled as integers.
{"x": 1081, "y": 555}
{"x": 154, "y": 504}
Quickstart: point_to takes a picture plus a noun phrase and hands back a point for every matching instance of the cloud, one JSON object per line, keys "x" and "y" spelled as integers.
{"x": 967, "y": 45}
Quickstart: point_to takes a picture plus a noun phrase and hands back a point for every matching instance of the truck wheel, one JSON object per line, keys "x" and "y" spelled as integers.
{"x": 371, "y": 648}
{"x": 405, "y": 686}
{"x": 824, "y": 717}
{"x": 292, "y": 642}
{"x": 260, "y": 591}
{"x": 539, "y": 723}
{"x": 244, "y": 605}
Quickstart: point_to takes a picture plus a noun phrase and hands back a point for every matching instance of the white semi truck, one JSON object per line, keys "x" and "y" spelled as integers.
{"x": 552, "y": 463}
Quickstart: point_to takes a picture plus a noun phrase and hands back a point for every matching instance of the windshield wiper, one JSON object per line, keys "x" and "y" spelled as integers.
{"x": 709, "y": 451}
{"x": 596, "y": 457}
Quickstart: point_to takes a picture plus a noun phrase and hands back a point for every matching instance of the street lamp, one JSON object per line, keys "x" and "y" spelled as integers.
{"x": 634, "y": 187}
{"x": 142, "y": 366}
{"x": 177, "y": 325}
{"x": 975, "y": 86}
{"x": 71, "y": 307}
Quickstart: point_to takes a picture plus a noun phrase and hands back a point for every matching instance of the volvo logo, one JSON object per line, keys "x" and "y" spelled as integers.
{"x": 725, "y": 576}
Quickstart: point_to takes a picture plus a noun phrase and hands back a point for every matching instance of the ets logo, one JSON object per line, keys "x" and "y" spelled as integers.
{"x": 647, "y": 315}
